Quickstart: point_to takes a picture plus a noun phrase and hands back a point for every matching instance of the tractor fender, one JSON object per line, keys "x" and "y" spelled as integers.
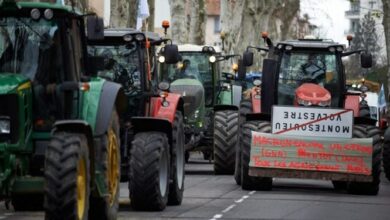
{"x": 157, "y": 110}
{"x": 111, "y": 95}
{"x": 237, "y": 94}
{"x": 146, "y": 124}
{"x": 81, "y": 127}
{"x": 225, "y": 107}
{"x": 352, "y": 102}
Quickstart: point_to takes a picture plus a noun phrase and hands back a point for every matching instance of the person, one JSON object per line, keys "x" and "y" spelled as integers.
{"x": 187, "y": 71}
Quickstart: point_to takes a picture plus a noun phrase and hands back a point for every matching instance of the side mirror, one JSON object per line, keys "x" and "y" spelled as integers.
{"x": 95, "y": 28}
{"x": 241, "y": 70}
{"x": 366, "y": 60}
{"x": 95, "y": 63}
{"x": 171, "y": 54}
{"x": 247, "y": 58}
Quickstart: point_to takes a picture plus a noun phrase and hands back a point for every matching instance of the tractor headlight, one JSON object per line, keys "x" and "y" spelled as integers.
{"x": 196, "y": 114}
{"x": 161, "y": 59}
{"x": 5, "y": 125}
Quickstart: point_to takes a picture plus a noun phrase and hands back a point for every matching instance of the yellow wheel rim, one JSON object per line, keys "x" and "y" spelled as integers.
{"x": 113, "y": 166}
{"x": 81, "y": 187}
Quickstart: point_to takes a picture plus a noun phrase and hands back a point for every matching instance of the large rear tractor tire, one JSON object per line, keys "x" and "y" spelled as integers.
{"x": 368, "y": 188}
{"x": 149, "y": 171}
{"x": 67, "y": 177}
{"x": 176, "y": 186}
{"x": 249, "y": 182}
{"x": 225, "y": 138}
{"x": 386, "y": 154}
{"x": 106, "y": 207}
{"x": 245, "y": 108}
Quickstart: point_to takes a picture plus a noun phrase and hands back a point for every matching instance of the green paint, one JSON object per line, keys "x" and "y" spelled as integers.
{"x": 28, "y": 185}
{"x": 340, "y": 155}
{"x": 10, "y": 82}
{"x": 90, "y": 102}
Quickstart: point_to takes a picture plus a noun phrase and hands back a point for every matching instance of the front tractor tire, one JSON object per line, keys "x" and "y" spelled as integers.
{"x": 368, "y": 188}
{"x": 225, "y": 138}
{"x": 106, "y": 207}
{"x": 149, "y": 171}
{"x": 176, "y": 186}
{"x": 67, "y": 177}
{"x": 386, "y": 154}
{"x": 245, "y": 108}
{"x": 249, "y": 182}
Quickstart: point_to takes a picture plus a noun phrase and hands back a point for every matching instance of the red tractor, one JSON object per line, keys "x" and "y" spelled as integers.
{"x": 302, "y": 123}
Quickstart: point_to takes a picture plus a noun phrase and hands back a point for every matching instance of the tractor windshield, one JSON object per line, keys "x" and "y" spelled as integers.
{"x": 121, "y": 64}
{"x": 298, "y": 67}
{"x": 193, "y": 66}
{"x": 26, "y": 46}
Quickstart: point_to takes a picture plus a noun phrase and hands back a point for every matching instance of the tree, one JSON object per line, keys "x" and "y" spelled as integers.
{"x": 122, "y": 15}
{"x": 198, "y": 20}
{"x": 243, "y": 21}
{"x": 179, "y": 21}
{"x": 386, "y": 25}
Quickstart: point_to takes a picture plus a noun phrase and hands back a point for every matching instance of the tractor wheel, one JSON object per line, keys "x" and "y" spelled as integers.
{"x": 225, "y": 138}
{"x": 245, "y": 108}
{"x": 106, "y": 207}
{"x": 386, "y": 154}
{"x": 249, "y": 182}
{"x": 176, "y": 186}
{"x": 149, "y": 171}
{"x": 67, "y": 177}
{"x": 369, "y": 188}
{"x": 28, "y": 202}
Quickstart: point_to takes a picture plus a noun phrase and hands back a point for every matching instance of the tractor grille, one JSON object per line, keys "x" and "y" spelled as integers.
{"x": 9, "y": 106}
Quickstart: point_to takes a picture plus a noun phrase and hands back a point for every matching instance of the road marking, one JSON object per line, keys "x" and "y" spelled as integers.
{"x": 228, "y": 208}
{"x": 217, "y": 216}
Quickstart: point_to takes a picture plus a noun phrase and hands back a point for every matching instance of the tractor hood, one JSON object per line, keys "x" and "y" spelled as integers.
{"x": 193, "y": 94}
{"x": 9, "y": 82}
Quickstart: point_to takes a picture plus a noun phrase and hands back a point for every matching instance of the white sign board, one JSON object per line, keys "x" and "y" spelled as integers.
{"x": 320, "y": 122}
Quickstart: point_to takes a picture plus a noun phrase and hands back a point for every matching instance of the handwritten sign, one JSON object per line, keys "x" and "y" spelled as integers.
{"x": 311, "y": 153}
{"x": 319, "y": 122}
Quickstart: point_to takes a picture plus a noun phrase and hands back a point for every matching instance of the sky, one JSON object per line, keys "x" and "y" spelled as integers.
{"x": 329, "y": 16}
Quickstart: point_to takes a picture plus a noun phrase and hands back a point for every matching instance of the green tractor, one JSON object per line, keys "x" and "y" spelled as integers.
{"x": 303, "y": 123}
{"x": 59, "y": 132}
{"x": 210, "y": 103}
{"x": 151, "y": 128}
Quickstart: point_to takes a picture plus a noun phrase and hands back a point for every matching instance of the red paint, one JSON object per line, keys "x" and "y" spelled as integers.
{"x": 159, "y": 111}
{"x": 256, "y": 101}
{"x": 313, "y": 93}
{"x": 273, "y": 153}
{"x": 352, "y": 103}
{"x": 361, "y": 169}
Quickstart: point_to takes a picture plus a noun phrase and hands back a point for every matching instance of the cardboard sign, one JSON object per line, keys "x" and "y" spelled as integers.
{"x": 311, "y": 153}
{"x": 318, "y": 122}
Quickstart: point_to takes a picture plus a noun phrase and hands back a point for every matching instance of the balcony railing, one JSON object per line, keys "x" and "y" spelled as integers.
{"x": 352, "y": 12}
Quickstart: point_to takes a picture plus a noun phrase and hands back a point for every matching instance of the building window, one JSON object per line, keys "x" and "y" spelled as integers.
{"x": 217, "y": 24}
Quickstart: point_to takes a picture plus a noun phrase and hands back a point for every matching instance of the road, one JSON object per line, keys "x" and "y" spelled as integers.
{"x": 218, "y": 197}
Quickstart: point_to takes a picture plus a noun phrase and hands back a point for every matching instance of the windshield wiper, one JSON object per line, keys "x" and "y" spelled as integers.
{"x": 43, "y": 38}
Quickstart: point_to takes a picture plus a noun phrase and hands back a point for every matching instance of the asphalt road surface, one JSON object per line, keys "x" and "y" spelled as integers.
{"x": 218, "y": 197}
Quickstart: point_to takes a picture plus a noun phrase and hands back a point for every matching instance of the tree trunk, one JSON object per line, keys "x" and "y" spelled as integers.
{"x": 179, "y": 21}
{"x": 150, "y": 19}
{"x": 243, "y": 21}
{"x": 386, "y": 25}
{"x": 132, "y": 13}
{"x": 197, "y": 22}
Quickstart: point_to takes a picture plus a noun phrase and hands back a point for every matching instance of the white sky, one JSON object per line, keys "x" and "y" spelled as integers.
{"x": 329, "y": 16}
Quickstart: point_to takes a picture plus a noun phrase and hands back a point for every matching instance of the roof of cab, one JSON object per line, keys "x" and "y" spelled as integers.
{"x": 196, "y": 48}
{"x": 311, "y": 43}
{"x": 30, "y": 4}
{"x": 120, "y": 32}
